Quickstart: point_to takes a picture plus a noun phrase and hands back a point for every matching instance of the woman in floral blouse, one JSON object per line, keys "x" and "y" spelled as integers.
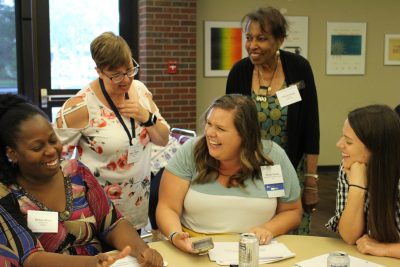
{"x": 113, "y": 122}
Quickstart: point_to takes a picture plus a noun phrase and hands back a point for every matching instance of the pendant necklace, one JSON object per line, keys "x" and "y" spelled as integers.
{"x": 262, "y": 96}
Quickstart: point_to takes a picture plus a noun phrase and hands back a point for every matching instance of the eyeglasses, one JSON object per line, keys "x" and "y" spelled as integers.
{"x": 130, "y": 73}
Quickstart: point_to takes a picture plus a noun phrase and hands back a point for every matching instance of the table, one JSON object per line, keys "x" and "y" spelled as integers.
{"x": 304, "y": 247}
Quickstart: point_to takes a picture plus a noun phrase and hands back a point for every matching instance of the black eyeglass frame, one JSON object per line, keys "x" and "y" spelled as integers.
{"x": 130, "y": 73}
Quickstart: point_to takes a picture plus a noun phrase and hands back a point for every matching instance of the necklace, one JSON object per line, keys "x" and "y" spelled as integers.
{"x": 63, "y": 215}
{"x": 262, "y": 97}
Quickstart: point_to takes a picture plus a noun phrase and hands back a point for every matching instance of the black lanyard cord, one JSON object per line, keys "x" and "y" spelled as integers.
{"x": 115, "y": 109}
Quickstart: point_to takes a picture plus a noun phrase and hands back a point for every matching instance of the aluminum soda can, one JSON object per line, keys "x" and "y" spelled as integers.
{"x": 338, "y": 259}
{"x": 248, "y": 250}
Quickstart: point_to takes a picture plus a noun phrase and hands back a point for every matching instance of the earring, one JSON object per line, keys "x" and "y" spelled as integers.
{"x": 277, "y": 53}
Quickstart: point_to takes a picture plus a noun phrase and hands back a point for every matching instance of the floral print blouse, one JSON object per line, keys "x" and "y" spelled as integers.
{"x": 103, "y": 146}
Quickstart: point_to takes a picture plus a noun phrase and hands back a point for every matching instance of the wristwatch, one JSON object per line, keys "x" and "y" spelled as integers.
{"x": 150, "y": 122}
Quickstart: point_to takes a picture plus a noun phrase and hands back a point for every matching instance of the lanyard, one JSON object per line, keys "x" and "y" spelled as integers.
{"x": 114, "y": 108}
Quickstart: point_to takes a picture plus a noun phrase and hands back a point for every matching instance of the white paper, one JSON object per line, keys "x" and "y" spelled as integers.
{"x": 226, "y": 253}
{"x": 322, "y": 260}
{"x": 43, "y": 221}
{"x": 129, "y": 261}
{"x": 288, "y": 96}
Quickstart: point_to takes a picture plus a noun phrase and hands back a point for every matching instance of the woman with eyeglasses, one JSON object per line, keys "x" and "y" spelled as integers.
{"x": 111, "y": 124}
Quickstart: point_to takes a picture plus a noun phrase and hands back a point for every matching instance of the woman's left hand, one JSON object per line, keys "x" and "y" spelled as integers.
{"x": 368, "y": 245}
{"x": 264, "y": 236}
{"x": 133, "y": 109}
{"x": 150, "y": 258}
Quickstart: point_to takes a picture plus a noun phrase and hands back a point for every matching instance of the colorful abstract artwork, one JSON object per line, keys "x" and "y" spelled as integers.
{"x": 226, "y": 47}
{"x": 223, "y": 47}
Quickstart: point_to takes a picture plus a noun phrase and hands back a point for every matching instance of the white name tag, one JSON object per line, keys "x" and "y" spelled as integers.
{"x": 288, "y": 96}
{"x": 134, "y": 152}
{"x": 43, "y": 221}
{"x": 273, "y": 180}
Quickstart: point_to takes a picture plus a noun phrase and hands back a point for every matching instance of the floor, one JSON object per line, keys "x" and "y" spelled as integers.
{"x": 326, "y": 207}
{"x": 324, "y": 210}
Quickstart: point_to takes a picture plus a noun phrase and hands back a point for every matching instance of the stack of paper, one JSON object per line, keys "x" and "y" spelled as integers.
{"x": 226, "y": 253}
{"x": 321, "y": 261}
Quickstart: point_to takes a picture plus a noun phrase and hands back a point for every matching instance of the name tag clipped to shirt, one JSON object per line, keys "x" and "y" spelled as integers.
{"x": 273, "y": 180}
{"x": 134, "y": 152}
{"x": 288, "y": 96}
{"x": 43, "y": 221}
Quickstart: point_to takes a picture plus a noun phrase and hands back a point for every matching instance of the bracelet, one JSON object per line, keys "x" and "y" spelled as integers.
{"x": 312, "y": 175}
{"x": 311, "y": 188}
{"x": 363, "y": 188}
{"x": 171, "y": 235}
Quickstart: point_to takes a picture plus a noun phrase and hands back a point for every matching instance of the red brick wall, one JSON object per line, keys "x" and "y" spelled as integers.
{"x": 167, "y": 32}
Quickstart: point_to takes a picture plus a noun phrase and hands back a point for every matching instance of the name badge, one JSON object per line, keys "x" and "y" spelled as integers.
{"x": 288, "y": 96}
{"x": 134, "y": 152}
{"x": 43, "y": 221}
{"x": 273, "y": 180}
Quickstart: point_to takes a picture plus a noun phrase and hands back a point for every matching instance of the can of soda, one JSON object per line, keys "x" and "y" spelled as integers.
{"x": 338, "y": 259}
{"x": 248, "y": 250}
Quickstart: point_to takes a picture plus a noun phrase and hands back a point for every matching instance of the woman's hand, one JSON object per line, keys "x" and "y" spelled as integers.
{"x": 264, "y": 236}
{"x": 368, "y": 245}
{"x": 150, "y": 258}
{"x": 182, "y": 241}
{"x": 105, "y": 260}
{"x": 133, "y": 109}
{"x": 357, "y": 174}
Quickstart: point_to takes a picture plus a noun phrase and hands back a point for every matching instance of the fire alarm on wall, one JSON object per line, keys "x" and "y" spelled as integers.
{"x": 172, "y": 67}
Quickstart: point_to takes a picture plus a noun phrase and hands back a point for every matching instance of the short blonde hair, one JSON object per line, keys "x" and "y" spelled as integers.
{"x": 110, "y": 51}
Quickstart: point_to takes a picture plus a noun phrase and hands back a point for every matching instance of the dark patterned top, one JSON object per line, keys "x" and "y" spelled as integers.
{"x": 93, "y": 217}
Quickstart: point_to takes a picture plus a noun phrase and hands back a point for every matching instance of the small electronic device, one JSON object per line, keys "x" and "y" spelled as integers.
{"x": 203, "y": 245}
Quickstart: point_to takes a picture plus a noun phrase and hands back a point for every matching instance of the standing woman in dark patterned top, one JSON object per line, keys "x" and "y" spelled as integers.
{"x": 267, "y": 70}
{"x": 368, "y": 193}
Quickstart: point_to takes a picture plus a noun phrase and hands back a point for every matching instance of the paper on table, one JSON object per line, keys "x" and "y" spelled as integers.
{"x": 226, "y": 253}
{"x": 130, "y": 261}
{"x": 321, "y": 261}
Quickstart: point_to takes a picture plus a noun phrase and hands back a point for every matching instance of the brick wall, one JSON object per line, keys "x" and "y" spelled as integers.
{"x": 167, "y": 32}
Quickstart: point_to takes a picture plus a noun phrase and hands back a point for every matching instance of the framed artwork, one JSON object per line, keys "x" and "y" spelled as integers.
{"x": 223, "y": 46}
{"x": 297, "y": 39}
{"x": 345, "y": 53}
{"x": 392, "y": 49}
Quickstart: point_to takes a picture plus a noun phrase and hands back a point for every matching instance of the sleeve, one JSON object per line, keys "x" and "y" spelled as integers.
{"x": 69, "y": 137}
{"x": 290, "y": 179}
{"x": 107, "y": 216}
{"x": 143, "y": 93}
{"x": 17, "y": 242}
{"x": 341, "y": 198}
{"x": 182, "y": 163}
{"x": 312, "y": 137}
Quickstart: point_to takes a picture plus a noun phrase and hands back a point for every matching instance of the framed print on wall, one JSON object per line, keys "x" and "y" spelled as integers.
{"x": 392, "y": 49}
{"x": 223, "y": 46}
{"x": 297, "y": 39}
{"x": 346, "y": 45}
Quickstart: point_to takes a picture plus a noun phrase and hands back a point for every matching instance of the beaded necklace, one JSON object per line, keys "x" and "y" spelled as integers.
{"x": 63, "y": 215}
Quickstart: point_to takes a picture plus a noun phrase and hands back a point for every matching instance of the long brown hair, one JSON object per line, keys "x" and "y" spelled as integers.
{"x": 378, "y": 128}
{"x": 251, "y": 151}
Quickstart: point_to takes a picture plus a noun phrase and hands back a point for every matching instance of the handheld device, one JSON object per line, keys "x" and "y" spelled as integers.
{"x": 203, "y": 245}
